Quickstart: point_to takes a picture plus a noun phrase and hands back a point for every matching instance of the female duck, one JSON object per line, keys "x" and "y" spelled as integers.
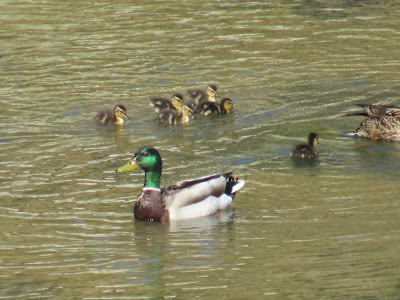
{"x": 382, "y": 122}
{"x": 163, "y": 103}
{"x": 214, "y": 108}
{"x": 173, "y": 117}
{"x": 112, "y": 117}
{"x": 306, "y": 151}
{"x": 184, "y": 200}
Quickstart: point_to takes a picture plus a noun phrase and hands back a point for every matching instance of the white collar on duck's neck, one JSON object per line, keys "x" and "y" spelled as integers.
{"x": 145, "y": 189}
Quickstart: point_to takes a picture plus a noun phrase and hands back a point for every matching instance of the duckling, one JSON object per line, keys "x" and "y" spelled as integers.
{"x": 201, "y": 96}
{"x": 306, "y": 151}
{"x": 163, "y": 103}
{"x": 112, "y": 117}
{"x": 213, "y": 108}
{"x": 188, "y": 199}
{"x": 173, "y": 117}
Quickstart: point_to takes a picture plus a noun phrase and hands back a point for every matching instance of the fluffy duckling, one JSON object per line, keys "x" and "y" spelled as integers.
{"x": 382, "y": 122}
{"x": 112, "y": 117}
{"x": 185, "y": 200}
{"x": 173, "y": 117}
{"x": 213, "y": 108}
{"x": 163, "y": 103}
{"x": 201, "y": 96}
{"x": 306, "y": 151}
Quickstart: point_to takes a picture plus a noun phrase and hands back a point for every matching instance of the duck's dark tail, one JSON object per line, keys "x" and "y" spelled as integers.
{"x": 233, "y": 185}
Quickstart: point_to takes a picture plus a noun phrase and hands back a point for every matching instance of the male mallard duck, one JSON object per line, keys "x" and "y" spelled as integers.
{"x": 213, "y": 108}
{"x": 163, "y": 103}
{"x": 184, "y": 200}
{"x": 382, "y": 122}
{"x": 173, "y": 117}
{"x": 306, "y": 151}
{"x": 112, "y": 117}
{"x": 200, "y": 96}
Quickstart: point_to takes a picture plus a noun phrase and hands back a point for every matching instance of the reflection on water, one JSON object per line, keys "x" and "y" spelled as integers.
{"x": 328, "y": 230}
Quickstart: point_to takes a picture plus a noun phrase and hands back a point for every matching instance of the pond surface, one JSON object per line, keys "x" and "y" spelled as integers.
{"x": 324, "y": 231}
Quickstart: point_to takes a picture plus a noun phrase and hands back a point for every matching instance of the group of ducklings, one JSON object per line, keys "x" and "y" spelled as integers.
{"x": 202, "y": 101}
{"x": 174, "y": 111}
{"x": 207, "y": 195}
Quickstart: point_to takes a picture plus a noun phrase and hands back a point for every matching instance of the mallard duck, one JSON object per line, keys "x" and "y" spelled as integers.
{"x": 184, "y": 200}
{"x": 214, "y": 108}
{"x": 112, "y": 117}
{"x": 306, "y": 151}
{"x": 173, "y": 117}
{"x": 382, "y": 122}
{"x": 200, "y": 96}
{"x": 163, "y": 103}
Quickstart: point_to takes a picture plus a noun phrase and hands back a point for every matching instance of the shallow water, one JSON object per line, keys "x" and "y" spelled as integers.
{"x": 329, "y": 230}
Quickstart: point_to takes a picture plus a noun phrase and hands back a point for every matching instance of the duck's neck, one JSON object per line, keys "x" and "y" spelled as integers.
{"x": 152, "y": 179}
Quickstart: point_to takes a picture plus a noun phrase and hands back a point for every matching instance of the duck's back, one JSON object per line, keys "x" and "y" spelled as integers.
{"x": 304, "y": 151}
{"x": 105, "y": 117}
{"x": 168, "y": 116}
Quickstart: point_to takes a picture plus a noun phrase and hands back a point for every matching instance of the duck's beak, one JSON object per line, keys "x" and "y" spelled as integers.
{"x": 126, "y": 117}
{"x": 132, "y": 165}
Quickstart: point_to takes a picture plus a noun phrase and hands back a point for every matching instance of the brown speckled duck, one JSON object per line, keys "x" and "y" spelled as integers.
{"x": 117, "y": 116}
{"x": 382, "y": 122}
{"x": 184, "y": 200}
{"x": 306, "y": 151}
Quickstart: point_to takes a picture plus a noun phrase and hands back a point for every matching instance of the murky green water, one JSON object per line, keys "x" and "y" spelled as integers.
{"x": 329, "y": 231}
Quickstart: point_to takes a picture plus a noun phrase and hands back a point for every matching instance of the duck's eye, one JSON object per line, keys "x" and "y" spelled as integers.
{"x": 145, "y": 153}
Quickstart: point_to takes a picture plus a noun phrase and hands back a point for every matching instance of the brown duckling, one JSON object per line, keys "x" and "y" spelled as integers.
{"x": 214, "y": 108}
{"x": 306, "y": 151}
{"x": 173, "y": 117}
{"x": 112, "y": 117}
{"x": 201, "y": 96}
{"x": 163, "y": 103}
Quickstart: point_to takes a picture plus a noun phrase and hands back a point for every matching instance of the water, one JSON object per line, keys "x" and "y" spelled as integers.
{"x": 327, "y": 231}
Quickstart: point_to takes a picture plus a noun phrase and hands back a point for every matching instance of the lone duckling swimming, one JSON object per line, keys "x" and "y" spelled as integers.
{"x": 306, "y": 151}
{"x": 382, "y": 122}
{"x": 201, "y": 96}
{"x": 185, "y": 200}
{"x": 214, "y": 108}
{"x": 173, "y": 117}
{"x": 112, "y": 117}
{"x": 163, "y": 103}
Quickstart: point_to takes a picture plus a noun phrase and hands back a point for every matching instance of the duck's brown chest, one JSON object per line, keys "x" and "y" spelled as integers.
{"x": 150, "y": 207}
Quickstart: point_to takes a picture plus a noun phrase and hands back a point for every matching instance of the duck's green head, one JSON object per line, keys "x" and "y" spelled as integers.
{"x": 147, "y": 158}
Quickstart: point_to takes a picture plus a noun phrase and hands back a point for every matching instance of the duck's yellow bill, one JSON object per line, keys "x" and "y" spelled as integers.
{"x": 132, "y": 165}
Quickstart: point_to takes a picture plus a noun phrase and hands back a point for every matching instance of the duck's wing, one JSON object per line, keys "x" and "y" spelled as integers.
{"x": 104, "y": 116}
{"x": 193, "y": 191}
{"x": 379, "y": 110}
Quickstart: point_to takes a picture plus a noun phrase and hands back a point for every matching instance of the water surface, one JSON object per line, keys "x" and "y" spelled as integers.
{"x": 326, "y": 231}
